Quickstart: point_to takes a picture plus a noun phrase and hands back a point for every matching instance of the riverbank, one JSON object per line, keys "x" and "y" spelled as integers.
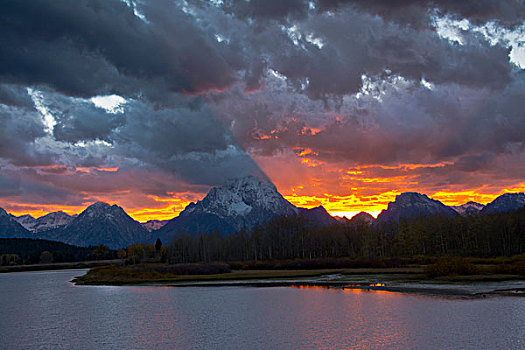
{"x": 113, "y": 275}
{"x": 60, "y": 266}
{"x": 397, "y": 280}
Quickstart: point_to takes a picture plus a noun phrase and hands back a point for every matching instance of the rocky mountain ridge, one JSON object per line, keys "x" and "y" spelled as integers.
{"x": 505, "y": 203}
{"x": 100, "y": 223}
{"x": 409, "y": 205}
{"x": 238, "y": 204}
{"x": 468, "y": 209}
{"x": 46, "y": 222}
{"x": 152, "y": 225}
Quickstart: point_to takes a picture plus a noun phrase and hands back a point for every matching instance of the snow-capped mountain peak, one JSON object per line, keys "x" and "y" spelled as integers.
{"x": 97, "y": 208}
{"x": 152, "y": 225}
{"x": 362, "y": 218}
{"x": 27, "y": 221}
{"x": 239, "y": 203}
{"x": 412, "y": 204}
{"x": 104, "y": 211}
{"x": 468, "y": 209}
{"x": 52, "y": 220}
{"x": 505, "y": 203}
{"x": 102, "y": 223}
{"x": 239, "y": 197}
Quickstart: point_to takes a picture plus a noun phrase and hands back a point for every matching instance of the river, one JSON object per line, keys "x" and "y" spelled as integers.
{"x": 43, "y": 310}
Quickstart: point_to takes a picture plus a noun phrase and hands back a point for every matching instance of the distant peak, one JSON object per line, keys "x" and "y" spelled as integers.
{"x": 3, "y": 212}
{"x": 362, "y": 214}
{"x": 28, "y": 216}
{"x": 247, "y": 188}
{"x": 59, "y": 213}
{"x": 363, "y": 217}
{"x": 505, "y": 203}
{"x": 406, "y": 195}
{"x": 102, "y": 207}
{"x": 320, "y": 209}
{"x": 512, "y": 195}
{"x": 243, "y": 201}
{"x": 99, "y": 205}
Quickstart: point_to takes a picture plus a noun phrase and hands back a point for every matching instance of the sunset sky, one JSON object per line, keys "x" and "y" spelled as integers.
{"x": 345, "y": 104}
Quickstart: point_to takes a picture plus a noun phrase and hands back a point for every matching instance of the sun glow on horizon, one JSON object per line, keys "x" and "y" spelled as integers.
{"x": 343, "y": 206}
{"x": 351, "y": 214}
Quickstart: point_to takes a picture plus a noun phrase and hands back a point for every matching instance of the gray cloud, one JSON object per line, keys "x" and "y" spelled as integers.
{"x": 15, "y": 95}
{"x": 415, "y": 12}
{"x": 84, "y": 48}
{"x": 20, "y": 128}
{"x": 208, "y": 87}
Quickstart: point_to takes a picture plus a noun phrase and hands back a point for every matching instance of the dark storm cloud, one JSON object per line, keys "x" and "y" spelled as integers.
{"x": 191, "y": 143}
{"x": 351, "y": 51}
{"x": 9, "y": 186}
{"x": 15, "y": 95}
{"x": 415, "y": 12}
{"x": 325, "y": 55}
{"x": 19, "y": 128}
{"x": 267, "y": 9}
{"x": 80, "y": 120}
{"x": 85, "y": 48}
{"x": 29, "y": 187}
{"x": 171, "y": 132}
{"x": 477, "y": 131}
{"x": 204, "y": 82}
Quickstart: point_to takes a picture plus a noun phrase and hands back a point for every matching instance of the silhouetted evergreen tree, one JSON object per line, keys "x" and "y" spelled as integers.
{"x": 290, "y": 237}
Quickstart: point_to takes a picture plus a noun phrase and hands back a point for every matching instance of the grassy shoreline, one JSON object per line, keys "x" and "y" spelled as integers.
{"x": 60, "y": 266}
{"x": 148, "y": 274}
{"x": 393, "y": 280}
{"x": 112, "y": 276}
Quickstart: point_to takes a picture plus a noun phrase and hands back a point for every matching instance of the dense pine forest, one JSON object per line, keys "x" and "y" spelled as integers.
{"x": 493, "y": 235}
{"x": 294, "y": 237}
{"x": 16, "y": 251}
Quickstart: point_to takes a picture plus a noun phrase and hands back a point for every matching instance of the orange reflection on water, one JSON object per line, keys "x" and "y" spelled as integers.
{"x": 364, "y": 290}
{"x": 299, "y": 286}
{"x": 357, "y": 288}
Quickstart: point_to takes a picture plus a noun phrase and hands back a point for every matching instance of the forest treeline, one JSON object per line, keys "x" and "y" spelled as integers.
{"x": 295, "y": 238}
{"x": 283, "y": 238}
{"x": 17, "y": 251}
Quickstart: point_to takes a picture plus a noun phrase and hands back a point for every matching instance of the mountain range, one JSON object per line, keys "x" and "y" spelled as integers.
{"x": 100, "y": 223}
{"x": 505, "y": 203}
{"x": 238, "y": 204}
{"x": 409, "y": 205}
{"x": 46, "y": 222}
{"x": 469, "y": 208}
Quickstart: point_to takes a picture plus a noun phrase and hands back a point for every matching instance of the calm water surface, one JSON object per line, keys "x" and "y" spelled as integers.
{"x": 41, "y": 310}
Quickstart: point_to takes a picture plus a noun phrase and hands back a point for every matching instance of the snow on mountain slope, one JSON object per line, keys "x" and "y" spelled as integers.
{"x": 101, "y": 223}
{"x": 27, "y": 221}
{"x": 152, "y": 225}
{"x": 411, "y": 205}
{"x": 468, "y": 209}
{"x": 239, "y": 203}
{"x": 46, "y": 222}
{"x": 362, "y": 218}
{"x": 10, "y": 228}
{"x": 52, "y": 220}
{"x": 243, "y": 202}
{"x": 505, "y": 203}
